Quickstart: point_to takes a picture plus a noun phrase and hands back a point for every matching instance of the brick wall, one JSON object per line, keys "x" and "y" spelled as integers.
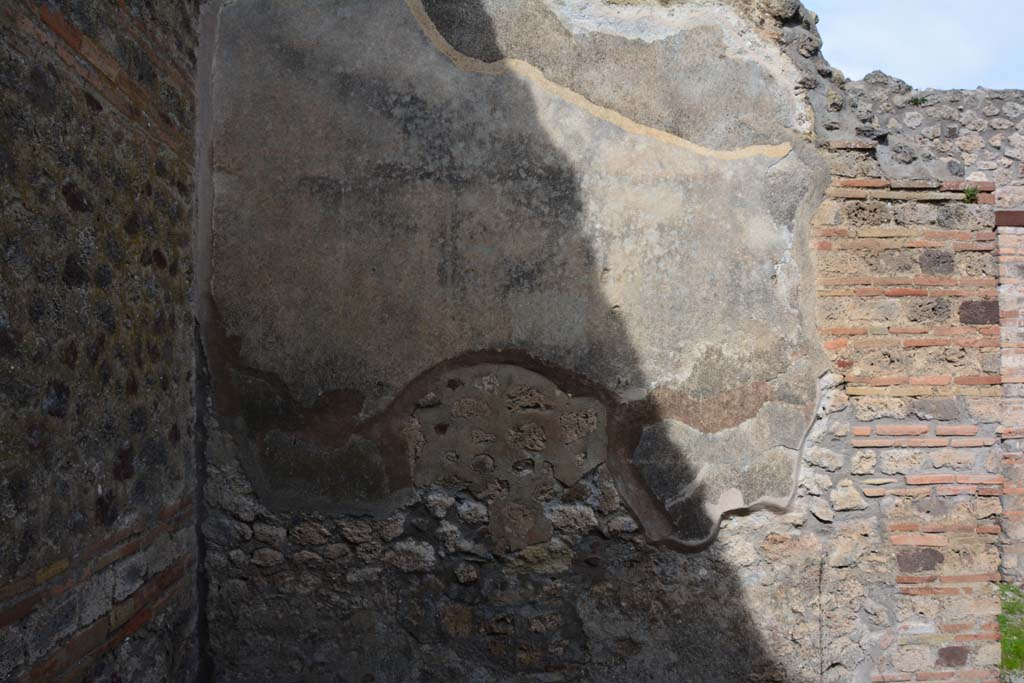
{"x": 909, "y": 308}
{"x": 96, "y": 471}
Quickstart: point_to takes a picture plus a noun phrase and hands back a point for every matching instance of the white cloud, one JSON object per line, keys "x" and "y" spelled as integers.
{"x": 927, "y": 43}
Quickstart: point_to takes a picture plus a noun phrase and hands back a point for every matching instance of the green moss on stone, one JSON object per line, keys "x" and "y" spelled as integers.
{"x": 1011, "y": 625}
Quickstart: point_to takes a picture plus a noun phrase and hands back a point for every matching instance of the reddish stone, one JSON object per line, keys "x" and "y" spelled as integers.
{"x": 980, "y": 312}
{"x": 1010, "y": 219}
{"x": 913, "y": 560}
{"x": 961, "y": 185}
{"x": 954, "y": 655}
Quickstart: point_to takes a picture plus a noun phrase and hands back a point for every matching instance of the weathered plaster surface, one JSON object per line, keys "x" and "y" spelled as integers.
{"x": 484, "y": 322}
{"x": 690, "y": 61}
{"x": 478, "y": 205}
{"x": 510, "y": 302}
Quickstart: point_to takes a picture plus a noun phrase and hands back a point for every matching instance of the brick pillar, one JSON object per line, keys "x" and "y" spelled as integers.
{"x": 908, "y": 308}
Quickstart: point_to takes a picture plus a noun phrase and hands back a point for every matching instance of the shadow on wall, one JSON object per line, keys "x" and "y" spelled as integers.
{"x": 484, "y": 186}
{"x": 707, "y": 636}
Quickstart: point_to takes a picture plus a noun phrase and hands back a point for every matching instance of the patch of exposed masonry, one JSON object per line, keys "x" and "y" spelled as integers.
{"x": 923, "y": 133}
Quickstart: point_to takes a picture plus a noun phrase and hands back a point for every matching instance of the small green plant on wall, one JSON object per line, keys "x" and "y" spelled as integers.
{"x": 1011, "y": 627}
{"x": 970, "y": 195}
{"x": 918, "y": 101}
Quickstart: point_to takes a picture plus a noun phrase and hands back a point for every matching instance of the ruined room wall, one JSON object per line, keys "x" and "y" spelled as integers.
{"x": 482, "y": 322}
{"x": 335, "y": 556}
{"x": 97, "y": 538}
{"x": 908, "y": 305}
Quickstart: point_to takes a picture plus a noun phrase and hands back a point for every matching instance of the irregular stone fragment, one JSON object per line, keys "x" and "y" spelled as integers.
{"x": 824, "y": 458}
{"x": 411, "y": 556}
{"x": 473, "y": 512}
{"x": 355, "y": 530}
{"x": 622, "y": 524}
{"x": 913, "y": 658}
{"x": 815, "y": 483}
{"x": 391, "y": 528}
{"x": 517, "y": 524}
{"x": 845, "y": 552}
{"x": 822, "y": 510}
{"x": 269, "y": 534}
{"x": 336, "y": 552}
{"x": 529, "y": 436}
{"x": 935, "y": 408}
{"x": 900, "y": 461}
{"x": 915, "y": 560}
{"x": 576, "y": 425}
{"x": 984, "y": 312}
{"x": 309, "y": 533}
{"x": 845, "y": 496}
{"x": 365, "y": 574}
{"x": 782, "y": 9}
{"x": 863, "y": 462}
{"x": 572, "y": 519}
{"x": 267, "y": 557}
{"x": 439, "y": 503}
{"x": 466, "y": 573}
{"x": 875, "y": 408}
{"x": 238, "y": 557}
{"x": 307, "y": 557}
{"x": 552, "y": 557}
{"x": 952, "y": 655}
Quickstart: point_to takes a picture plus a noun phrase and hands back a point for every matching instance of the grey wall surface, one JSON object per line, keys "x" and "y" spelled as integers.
{"x": 499, "y": 295}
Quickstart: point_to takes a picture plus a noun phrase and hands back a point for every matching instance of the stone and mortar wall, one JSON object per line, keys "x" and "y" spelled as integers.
{"x": 884, "y": 567}
{"x": 908, "y": 305}
{"x": 968, "y": 135}
{"x": 452, "y": 502}
{"x": 97, "y": 532}
{"x": 925, "y": 141}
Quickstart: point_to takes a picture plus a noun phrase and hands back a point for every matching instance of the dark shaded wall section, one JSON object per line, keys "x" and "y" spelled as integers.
{"x": 97, "y": 538}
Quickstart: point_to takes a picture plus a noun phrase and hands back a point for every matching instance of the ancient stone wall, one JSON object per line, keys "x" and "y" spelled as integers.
{"x": 892, "y": 238}
{"x": 561, "y": 364}
{"x": 909, "y": 308}
{"x": 1010, "y": 244}
{"x": 540, "y": 341}
{"x": 97, "y": 539}
{"x": 968, "y": 135}
{"x": 454, "y": 474}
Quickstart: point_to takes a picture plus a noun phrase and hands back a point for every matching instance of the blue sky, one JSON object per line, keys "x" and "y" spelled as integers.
{"x": 927, "y": 43}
